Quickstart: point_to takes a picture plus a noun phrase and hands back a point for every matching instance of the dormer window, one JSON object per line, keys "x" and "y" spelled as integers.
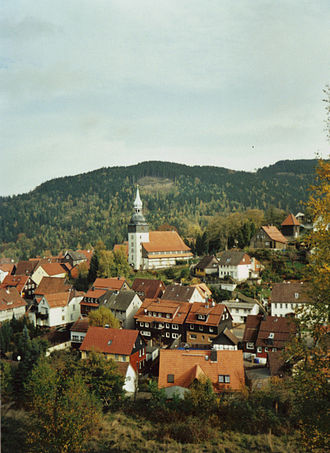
{"x": 109, "y": 342}
{"x": 271, "y": 335}
{"x": 296, "y": 295}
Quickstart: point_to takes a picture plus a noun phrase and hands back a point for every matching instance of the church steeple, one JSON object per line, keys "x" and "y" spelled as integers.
{"x": 138, "y": 202}
{"x": 138, "y": 233}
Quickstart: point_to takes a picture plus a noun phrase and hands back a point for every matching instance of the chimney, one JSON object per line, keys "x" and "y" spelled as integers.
{"x": 213, "y": 356}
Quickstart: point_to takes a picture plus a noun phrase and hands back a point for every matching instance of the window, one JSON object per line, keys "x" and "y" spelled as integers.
{"x": 193, "y": 336}
{"x": 224, "y": 379}
{"x": 140, "y": 353}
{"x": 71, "y": 317}
{"x": 116, "y": 356}
{"x": 170, "y": 378}
{"x": 168, "y": 316}
{"x": 63, "y": 317}
{"x": 167, "y": 334}
{"x": 201, "y": 328}
{"x": 73, "y": 307}
{"x": 271, "y": 335}
{"x": 146, "y": 333}
{"x": 175, "y": 335}
{"x": 147, "y": 324}
{"x": 266, "y": 349}
{"x": 192, "y": 326}
{"x": 211, "y": 329}
{"x": 249, "y": 345}
{"x": 296, "y": 295}
{"x": 141, "y": 324}
{"x": 167, "y": 325}
{"x": 175, "y": 326}
{"x": 259, "y": 349}
{"x": 123, "y": 358}
{"x": 75, "y": 338}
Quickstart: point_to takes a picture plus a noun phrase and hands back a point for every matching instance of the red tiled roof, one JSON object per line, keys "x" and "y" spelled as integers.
{"x": 282, "y": 328}
{"x": 274, "y": 234}
{"x": 189, "y": 365}
{"x": 57, "y": 299}
{"x": 81, "y": 325}
{"x": 178, "y": 310}
{"x": 7, "y": 267}
{"x": 53, "y": 269}
{"x": 96, "y": 293}
{"x": 290, "y": 221}
{"x": 109, "y": 283}
{"x": 252, "y": 328}
{"x": 10, "y": 299}
{"x": 165, "y": 241}
{"x": 111, "y": 341}
{"x": 87, "y": 253}
{"x": 26, "y": 267}
{"x": 213, "y": 314}
{"x": 16, "y": 281}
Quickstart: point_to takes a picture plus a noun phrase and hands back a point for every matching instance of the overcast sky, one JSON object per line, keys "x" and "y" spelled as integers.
{"x": 93, "y": 83}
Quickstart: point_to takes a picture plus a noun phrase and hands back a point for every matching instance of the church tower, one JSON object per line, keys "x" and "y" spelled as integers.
{"x": 138, "y": 232}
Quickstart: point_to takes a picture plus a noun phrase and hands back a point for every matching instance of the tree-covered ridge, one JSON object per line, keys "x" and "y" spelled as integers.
{"x": 76, "y": 211}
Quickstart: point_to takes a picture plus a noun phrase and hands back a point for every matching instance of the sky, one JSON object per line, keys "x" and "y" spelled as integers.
{"x": 97, "y": 83}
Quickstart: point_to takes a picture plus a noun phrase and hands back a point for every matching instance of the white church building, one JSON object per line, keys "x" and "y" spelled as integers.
{"x": 153, "y": 249}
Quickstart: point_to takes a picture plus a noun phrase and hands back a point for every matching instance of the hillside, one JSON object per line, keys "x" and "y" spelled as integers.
{"x": 76, "y": 211}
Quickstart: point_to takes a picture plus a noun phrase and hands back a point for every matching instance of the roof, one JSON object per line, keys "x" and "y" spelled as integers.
{"x": 213, "y": 314}
{"x": 274, "y": 234}
{"x": 122, "y": 368}
{"x": 234, "y": 258}
{"x": 110, "y": 341}
{"x": 57, "y": 299}
{"x": 50, "y": 285}
{"x": 207, "y": 262}
{"x": 6, "y": 267}
{"x": 53, "y": 268}
{"x": 178, "y": 310}
{"x": 252, "y": 328}
{"x": 290, "y": 221}
{"x": 150, "y": 288}
{"x": 179, "y": 293}
{"x": 109, "y": 283}
{"x": 188, "y": 365}
{"x": 165, "y": 241}
{"x": 281, "y": 328}
{"x": 203, "y": 289}
{"x": 120, "y": 301}
{"x": 86, "y": 253}
{"x": 77, "y": 255}
{"x": 26, "y": 267}
{"x": 96, "y": 293}
{"x": 275, "y": 363}
{"x": 17, "y": 281}
{"x": 290, "y": 293}
{"x": 81, "y": 325}
{"x": 10, "y": 299}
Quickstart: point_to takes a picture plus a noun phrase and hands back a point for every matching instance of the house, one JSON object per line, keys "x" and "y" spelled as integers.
{"x": 181, "y": 293}
{"x": 268, "y": 237}
{"x": 241, "y": 307}
{"x": 11, "y": 304}
{"x": 74, "y": 258}
{"x": 290, "y": 227}
{"x": 205, "y": 322}
{"x": 147, "y": 288}
{"x": 5, "y": 269}
{"x": 204, "y": 291}
{"x": 26, "y": 267}
{"x": 235, "y": 264}
{"x": 226, "y": 340}
{"x": 208, "y": 265}
{"x": 124, "y": 306}
{"x": 23, "y": 283}
{"x": 288, "y": 297}
{"x": 78, "y": 331}
{"x": 48, "y": 269}
{"x": 92, "y": 300}
{"x": 183, "y": 367}
{"x": 58, "y": 309}
{"x": 121, "y": 345}
{"x": 154, "y": 249}
{"x": 113, "y": 284}
{"x": 255, "y": 268}
{"x": 162, "y": 320}
{"x": 130, "y": 376}
{"x": 265, "y": 334}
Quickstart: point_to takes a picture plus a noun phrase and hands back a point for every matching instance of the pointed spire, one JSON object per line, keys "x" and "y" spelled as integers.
{"x": 137, "y": 202}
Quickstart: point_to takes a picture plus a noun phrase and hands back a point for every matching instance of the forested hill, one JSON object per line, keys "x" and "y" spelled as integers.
{"x": 76, "y": 211}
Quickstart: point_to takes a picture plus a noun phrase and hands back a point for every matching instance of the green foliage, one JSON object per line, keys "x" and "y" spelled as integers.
{"x": 80, "y": 210}
{"x": 102, "y": 317}
{"x": 103, "y": 379}
{"x": 201, "y": 398}
{"x": 220, "y": 294}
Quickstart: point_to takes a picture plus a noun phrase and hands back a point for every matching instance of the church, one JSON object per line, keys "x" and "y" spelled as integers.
{"x": 153, "y": 249}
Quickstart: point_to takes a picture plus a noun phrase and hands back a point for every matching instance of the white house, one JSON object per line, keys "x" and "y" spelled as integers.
{"x": 58, "y": 309}
{"x": 239, "y": 309}
{"x": 47, "y": 269}
{"x": 131, "y": 379}
{"x": 11, "y": 304}
{"x": 235, "y": 264}
{"x": 181, "y": 293}
{"x": 286, "y": 298}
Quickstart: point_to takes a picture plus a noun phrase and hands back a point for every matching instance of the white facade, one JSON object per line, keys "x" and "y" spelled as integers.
{"x": 40, "y": 273}
{"x": 3, "y": 275}
{"x": 8, "y": 314}
{"x": 58, "y": 315}
{"x": 283, "y": 309}
{"x": 138, "y": 233}
{"x": 131, "y": 379}
{"x": 240, "y": 310}
{"x": 240, "y": 272}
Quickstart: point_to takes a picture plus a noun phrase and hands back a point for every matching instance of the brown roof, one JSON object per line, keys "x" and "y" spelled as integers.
{"x": 10, "y": 299}
{"x": 122, "y": 368}
{"x": 281, "y": 328}
{"x": 188, "y": 365}
{"x": 165, "y": 241}
{"x": 252, "y": 328}
{"x": 207, "y": 262}
{"x": 7, "y": 267}
{"x": 109, "y": 283}
{"x": 274, "y": 234}
{"x": 177, "y": 310}
{"x": 96, "y": 293}
{"x": 150, "y": 288}
{"x": 234, "y": 258}
{"x": 203, "y": 289}
{"x": 16, "y": 281}
{"x": 87, "y": 253}
{"x": 53, "y": 268}
{"x": 50, "y": 285}
{"x": 26, "y": 267}
{"x": 110, "y": 341}
{"x": 81, "y": 325}
{"x": 57, "y": 299}
{"x": 275, "y": 363}
{"x": 290, "y": 221}
{"x": 290, "y": 293}
{"x": 213, "y": 314}
{"x": 179, "y": 293}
